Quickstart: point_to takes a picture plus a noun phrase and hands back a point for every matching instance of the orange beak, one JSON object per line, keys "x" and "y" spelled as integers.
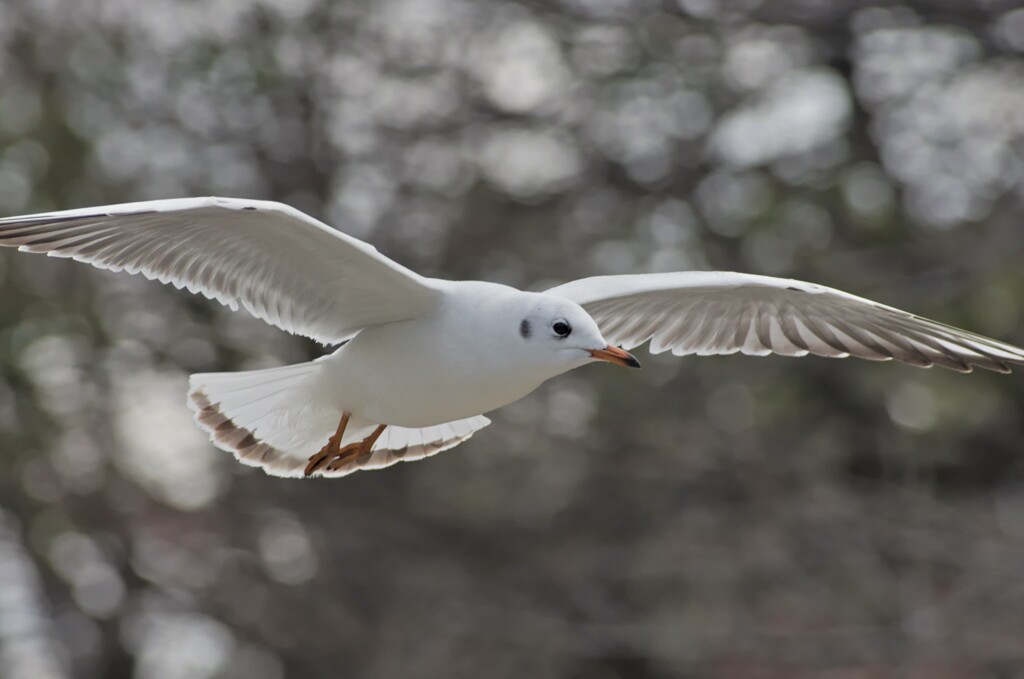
{"x": 616, "y": 356}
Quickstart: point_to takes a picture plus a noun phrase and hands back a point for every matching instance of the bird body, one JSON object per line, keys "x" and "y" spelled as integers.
{"x": 416, "y": 373}
{"x": 420, "y": 360}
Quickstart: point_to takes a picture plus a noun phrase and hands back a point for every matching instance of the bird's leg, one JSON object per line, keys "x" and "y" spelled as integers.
{"x": 330, "y": 450}
{"x": 354, "y": 450}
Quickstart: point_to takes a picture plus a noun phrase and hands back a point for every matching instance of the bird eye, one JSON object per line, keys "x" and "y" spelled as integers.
{"x": 562, "y": 329}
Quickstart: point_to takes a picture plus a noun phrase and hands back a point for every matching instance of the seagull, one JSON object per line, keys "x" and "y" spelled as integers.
{"x": 419, "y": 360}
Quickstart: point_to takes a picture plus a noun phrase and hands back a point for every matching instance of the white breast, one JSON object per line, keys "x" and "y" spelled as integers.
{"x": 450, "y": 365}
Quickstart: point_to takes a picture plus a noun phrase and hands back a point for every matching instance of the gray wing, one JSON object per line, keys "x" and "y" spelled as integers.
{"x": 281, "y": 265}
{"x": 708, "y": 313}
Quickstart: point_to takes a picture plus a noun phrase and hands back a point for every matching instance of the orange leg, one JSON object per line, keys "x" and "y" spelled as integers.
{"x": 330, "y": 450}
{"x": 354, "y": 450}
{"x": 333, "y": 458}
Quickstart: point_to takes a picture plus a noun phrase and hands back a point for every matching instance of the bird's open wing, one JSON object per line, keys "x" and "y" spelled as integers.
{"x": 279, "y": 264}
{"x": 709, "y": 313}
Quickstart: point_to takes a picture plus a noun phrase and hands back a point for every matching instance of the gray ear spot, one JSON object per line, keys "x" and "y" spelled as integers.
{"x": 524, "y": 329}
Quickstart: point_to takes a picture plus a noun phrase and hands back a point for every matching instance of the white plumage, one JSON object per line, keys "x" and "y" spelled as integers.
{"x": 280, "y": 265}
{"x": 423, "y": 358}
{"x": 278, "y": 420}
{"x": 717, "y": 312}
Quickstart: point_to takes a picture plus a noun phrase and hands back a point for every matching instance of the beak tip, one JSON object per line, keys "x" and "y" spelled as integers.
{"x": 615, "y": 355}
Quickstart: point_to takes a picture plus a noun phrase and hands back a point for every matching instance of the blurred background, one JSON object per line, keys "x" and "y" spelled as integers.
{"x": 721, "y": 517}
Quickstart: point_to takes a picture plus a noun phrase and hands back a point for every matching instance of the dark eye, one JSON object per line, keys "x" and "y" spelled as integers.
{"x": 562, "y": 329}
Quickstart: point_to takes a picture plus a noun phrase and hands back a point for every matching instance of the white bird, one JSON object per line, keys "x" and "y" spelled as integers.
{"x": 422, "y": 359}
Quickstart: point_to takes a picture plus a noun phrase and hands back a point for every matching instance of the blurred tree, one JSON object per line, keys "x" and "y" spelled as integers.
{"x": 721, "y": 517}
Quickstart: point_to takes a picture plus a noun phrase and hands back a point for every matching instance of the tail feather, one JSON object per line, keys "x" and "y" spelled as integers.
{"x": 239, "y": 441}
{"x": 272, "y": 420}
{"x": 244, "y": 412}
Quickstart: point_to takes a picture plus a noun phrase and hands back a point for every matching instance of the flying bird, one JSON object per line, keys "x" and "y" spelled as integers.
{"x": 421, "y": 359}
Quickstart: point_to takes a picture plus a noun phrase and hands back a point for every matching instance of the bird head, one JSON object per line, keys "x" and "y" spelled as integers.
{"x": 566, "y": 336}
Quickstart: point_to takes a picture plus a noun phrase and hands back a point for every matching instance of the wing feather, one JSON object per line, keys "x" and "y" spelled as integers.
{"x": 272, "y": 260}
{"x": 708, "y": 313}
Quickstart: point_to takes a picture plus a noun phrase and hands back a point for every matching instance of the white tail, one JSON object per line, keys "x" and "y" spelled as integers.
{"x": 273, "y": 419}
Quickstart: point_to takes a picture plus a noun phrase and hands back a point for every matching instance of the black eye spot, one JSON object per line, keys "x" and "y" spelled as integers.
{"x": 524, "y": 329}
{"x": 562, "y": 329}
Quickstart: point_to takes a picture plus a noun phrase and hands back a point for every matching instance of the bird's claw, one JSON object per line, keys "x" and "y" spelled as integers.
{"x": 347, "y": 454}
{"x": 332, "y": 458}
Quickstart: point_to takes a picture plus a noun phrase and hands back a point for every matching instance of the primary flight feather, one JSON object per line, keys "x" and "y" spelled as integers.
{"x": 424, "y": 358}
